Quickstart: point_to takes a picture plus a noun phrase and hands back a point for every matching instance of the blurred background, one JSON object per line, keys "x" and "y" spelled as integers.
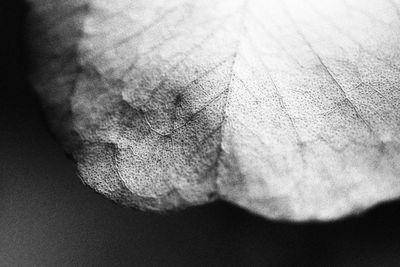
{"x": 49, "y": 218}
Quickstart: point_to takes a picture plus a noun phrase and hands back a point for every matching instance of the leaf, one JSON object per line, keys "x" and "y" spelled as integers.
{"x": 289, "y": 109}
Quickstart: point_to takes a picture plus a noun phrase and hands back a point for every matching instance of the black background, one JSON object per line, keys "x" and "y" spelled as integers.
{"x": 48, "y": 218}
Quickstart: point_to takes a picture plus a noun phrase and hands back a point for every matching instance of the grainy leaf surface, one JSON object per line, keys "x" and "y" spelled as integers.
{"x": 287, "y": 108}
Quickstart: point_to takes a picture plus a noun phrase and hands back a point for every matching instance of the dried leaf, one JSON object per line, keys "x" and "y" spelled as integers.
{"x": 287, "y": 108}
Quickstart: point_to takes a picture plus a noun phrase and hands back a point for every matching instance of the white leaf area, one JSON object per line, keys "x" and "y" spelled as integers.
{"x": 288, "y": 108}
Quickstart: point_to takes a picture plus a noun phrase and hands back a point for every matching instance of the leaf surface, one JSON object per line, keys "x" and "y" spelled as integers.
{"x": 287, "y": 108}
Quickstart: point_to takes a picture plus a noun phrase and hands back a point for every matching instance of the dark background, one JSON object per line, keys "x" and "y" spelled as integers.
{"x": 49, "y": 218}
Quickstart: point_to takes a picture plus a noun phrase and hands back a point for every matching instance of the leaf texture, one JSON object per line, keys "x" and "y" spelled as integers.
{"x": 289, "y": 109}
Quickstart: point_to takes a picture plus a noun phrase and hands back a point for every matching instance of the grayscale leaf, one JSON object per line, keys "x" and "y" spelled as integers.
{"x": 289, "y": 109}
